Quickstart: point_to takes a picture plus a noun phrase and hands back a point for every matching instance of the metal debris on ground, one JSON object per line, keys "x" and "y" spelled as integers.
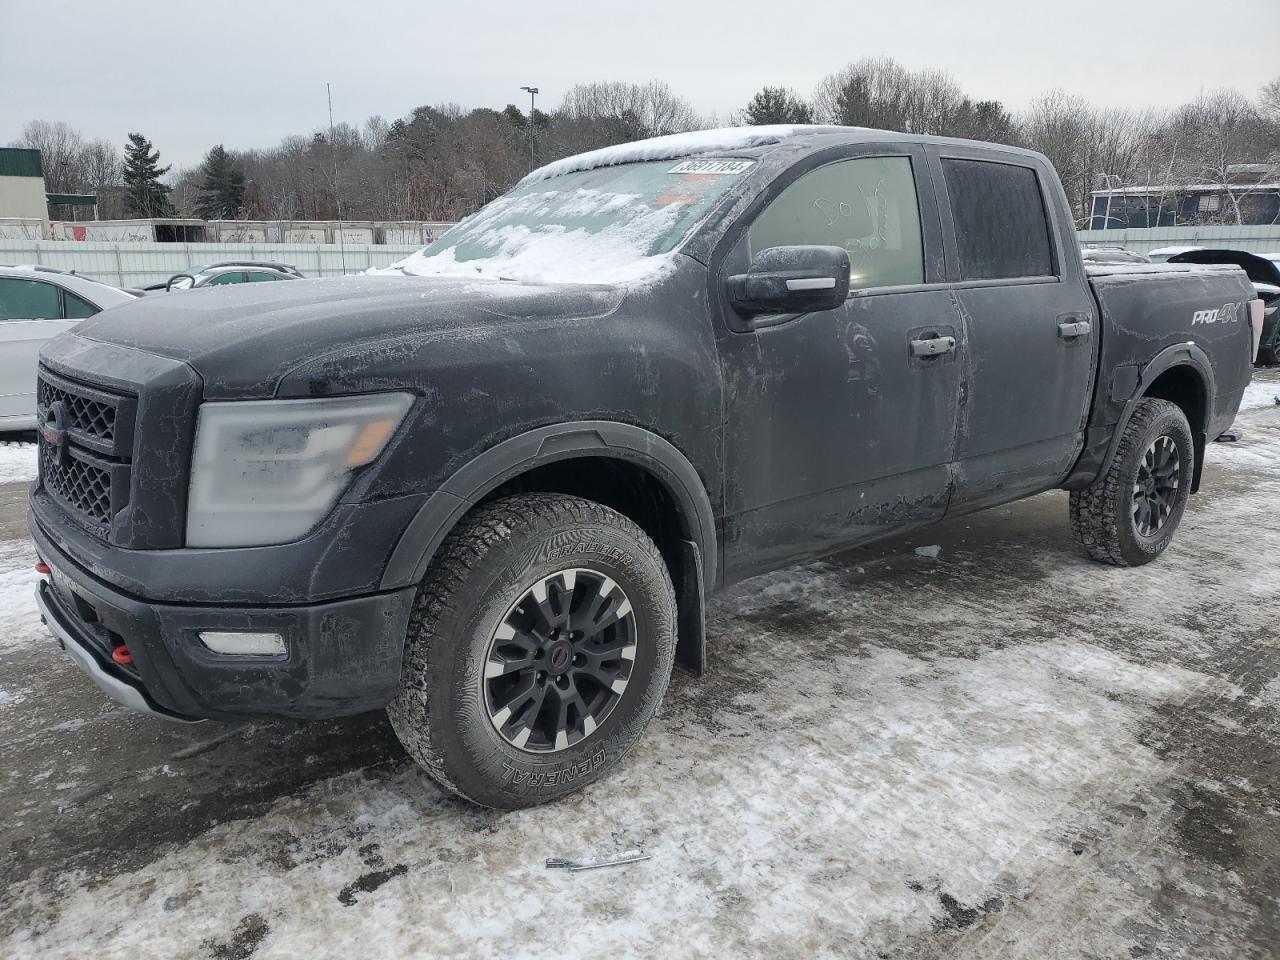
{"x": 593, "y": 863}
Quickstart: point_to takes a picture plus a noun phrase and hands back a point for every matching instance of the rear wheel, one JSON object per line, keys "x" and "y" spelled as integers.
{"x": 1128, "y": 516}
{"x": 540, "y": 645}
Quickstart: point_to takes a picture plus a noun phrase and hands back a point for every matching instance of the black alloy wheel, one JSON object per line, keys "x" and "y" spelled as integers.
{"x": 1155, "y": 490}
{"x": 559, "y": 661}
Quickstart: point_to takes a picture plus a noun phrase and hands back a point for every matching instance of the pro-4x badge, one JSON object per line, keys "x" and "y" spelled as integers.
{"x": 1227, "y": 313}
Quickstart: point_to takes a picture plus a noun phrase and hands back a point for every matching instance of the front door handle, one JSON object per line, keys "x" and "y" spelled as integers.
{"x": 1069, "y": 331}
{"x": 932, "y": 347}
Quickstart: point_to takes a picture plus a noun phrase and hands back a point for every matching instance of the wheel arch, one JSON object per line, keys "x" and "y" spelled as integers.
{"x": 1183, "y": 375}
{"x": 626, "y": 467}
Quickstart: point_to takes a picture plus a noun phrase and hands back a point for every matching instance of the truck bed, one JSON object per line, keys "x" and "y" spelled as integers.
{"x": 1149, "y": 311}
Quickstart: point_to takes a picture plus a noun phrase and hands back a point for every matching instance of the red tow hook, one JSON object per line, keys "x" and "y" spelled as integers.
{"x": 42, "y": 568}
{"x": 121, "y": 655}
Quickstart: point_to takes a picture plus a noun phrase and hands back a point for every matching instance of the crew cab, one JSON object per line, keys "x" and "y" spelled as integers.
{"x": 489, "y": 487}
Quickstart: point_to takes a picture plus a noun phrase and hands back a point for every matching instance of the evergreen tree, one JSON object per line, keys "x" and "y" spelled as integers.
{"x": 221, "y": 187}
{"x": 777, "y": 105}
{"x": 145, "y": 195}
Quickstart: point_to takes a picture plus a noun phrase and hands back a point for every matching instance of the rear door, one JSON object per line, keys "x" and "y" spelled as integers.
{"x": 31, "y": 311}
{"x": 1028, "y": 320}
{"x": 835, "y": 432}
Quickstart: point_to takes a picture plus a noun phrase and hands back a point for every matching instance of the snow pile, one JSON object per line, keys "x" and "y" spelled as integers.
{"x": 617, "y": 252}
{"x": 17, "y": 462}
{"x": 1260, "y": 393}
{"x": 675, "y": 145}
{"x": 19, "y": 619}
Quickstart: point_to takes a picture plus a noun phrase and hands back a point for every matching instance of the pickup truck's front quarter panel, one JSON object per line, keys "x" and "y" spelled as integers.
{"x": 648, "y": 359}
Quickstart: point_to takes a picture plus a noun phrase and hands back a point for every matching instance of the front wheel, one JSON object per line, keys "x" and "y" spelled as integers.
{"x": 1128, "y": 516}
{"x": 540, "y": 645}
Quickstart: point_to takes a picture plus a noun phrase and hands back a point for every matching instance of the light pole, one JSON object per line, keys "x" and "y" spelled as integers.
{"x": 1106, "y": 180}
{"x": 533, "y": 92}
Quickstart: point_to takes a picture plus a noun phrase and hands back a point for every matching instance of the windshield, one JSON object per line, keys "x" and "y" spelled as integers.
{"x": 606, "y": 225}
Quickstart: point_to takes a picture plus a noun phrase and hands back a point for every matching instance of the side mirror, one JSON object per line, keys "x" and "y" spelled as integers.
{"x": 791, "y": 280}
{"x": 176, "y": 282}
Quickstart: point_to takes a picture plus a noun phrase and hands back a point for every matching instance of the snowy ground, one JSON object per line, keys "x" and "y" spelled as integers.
{"x": 1000, "y": 751}
{"x": 17, "y": 459}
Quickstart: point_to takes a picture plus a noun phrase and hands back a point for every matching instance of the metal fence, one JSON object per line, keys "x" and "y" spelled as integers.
{"x": 138, "y": 264}
{"x": 1264, "y": 239}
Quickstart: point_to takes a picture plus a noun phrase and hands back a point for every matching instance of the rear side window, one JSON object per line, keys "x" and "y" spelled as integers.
{"x": 866, "y": 205}
{"x": 28, "y": 300}
{"x": 1002, "y": 231}
{"x": 77, "y": 308}
{"x": 259, "y": 276}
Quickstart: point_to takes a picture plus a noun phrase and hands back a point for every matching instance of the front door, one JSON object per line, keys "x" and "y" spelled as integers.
{"x": 837, "y": 432}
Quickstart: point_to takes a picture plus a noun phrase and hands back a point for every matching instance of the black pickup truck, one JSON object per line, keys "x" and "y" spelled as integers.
{"x": 490, "y": 490}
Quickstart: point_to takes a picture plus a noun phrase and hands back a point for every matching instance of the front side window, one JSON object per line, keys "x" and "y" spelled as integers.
{"x": 1002, "y": 231}
{"x": 866, "y": 205}
{"x": 233, "y": 277}
{"x": 28, "y": 300}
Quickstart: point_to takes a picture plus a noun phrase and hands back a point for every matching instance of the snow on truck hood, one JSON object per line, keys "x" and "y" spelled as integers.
{"x": 243, "y": 338}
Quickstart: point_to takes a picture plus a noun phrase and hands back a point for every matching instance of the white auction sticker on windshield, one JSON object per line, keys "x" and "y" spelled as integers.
{"x": 711, "y": 166}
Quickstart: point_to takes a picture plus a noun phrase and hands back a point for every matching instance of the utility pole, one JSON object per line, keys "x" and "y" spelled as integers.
{"x": 533, "y": 92}
{"x": 337, "y": 195}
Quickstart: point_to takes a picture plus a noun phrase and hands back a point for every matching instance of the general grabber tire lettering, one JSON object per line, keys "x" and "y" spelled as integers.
{"x": 540, "y": 644}
{"x": 1129, "y": 514}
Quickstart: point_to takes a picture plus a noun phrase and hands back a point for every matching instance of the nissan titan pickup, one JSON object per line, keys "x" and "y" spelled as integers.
{"x": 490, "y": 487}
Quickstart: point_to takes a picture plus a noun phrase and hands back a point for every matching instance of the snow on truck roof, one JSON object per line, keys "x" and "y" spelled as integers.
{"x": 677, "y": 145}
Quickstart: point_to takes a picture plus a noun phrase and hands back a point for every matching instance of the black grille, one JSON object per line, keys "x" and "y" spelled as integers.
{"x": 84, "y": 448}
{"x": 82, "y": 485}
{"x": 89, "y": 415}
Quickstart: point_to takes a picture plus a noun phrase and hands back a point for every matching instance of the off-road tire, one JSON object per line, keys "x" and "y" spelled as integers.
{"x": 481, "y": 570}
{"x": 1102, "y": 521}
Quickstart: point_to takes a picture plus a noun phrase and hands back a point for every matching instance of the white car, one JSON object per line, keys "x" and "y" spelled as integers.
{"x": 37, "y": 303}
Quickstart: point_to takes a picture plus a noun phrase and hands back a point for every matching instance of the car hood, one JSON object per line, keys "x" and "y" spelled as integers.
{"x": 244, "y": 339}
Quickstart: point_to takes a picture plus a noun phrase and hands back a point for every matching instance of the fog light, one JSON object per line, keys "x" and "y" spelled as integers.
{"x": 244, "y": 644}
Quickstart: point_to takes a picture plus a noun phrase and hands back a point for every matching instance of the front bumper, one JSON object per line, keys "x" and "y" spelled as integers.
{"x": 342, "y": 656}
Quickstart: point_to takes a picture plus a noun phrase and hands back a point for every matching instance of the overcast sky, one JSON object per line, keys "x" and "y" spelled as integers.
{"x": 246, "y": 74}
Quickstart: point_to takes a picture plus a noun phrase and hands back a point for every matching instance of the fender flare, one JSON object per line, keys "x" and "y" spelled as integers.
{"x": 477, "y": 478}
{"x": 1180, "y": 354}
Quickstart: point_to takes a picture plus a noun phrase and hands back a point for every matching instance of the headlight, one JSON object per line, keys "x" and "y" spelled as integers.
{"x": 267, "y": 471}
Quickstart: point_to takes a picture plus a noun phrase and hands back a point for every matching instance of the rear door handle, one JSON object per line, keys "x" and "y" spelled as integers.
{"x": 1069, "y": 331}
{"x": 933, "y": 346}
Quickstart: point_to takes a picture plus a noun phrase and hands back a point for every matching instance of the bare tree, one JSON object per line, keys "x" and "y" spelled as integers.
{"x": 1220, "y": 133}
{"x": 617, "y": 112}
{"x": 882, "y": 94}
{"x": 1269, "y": 100}
{"x": 73, "y": 164}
